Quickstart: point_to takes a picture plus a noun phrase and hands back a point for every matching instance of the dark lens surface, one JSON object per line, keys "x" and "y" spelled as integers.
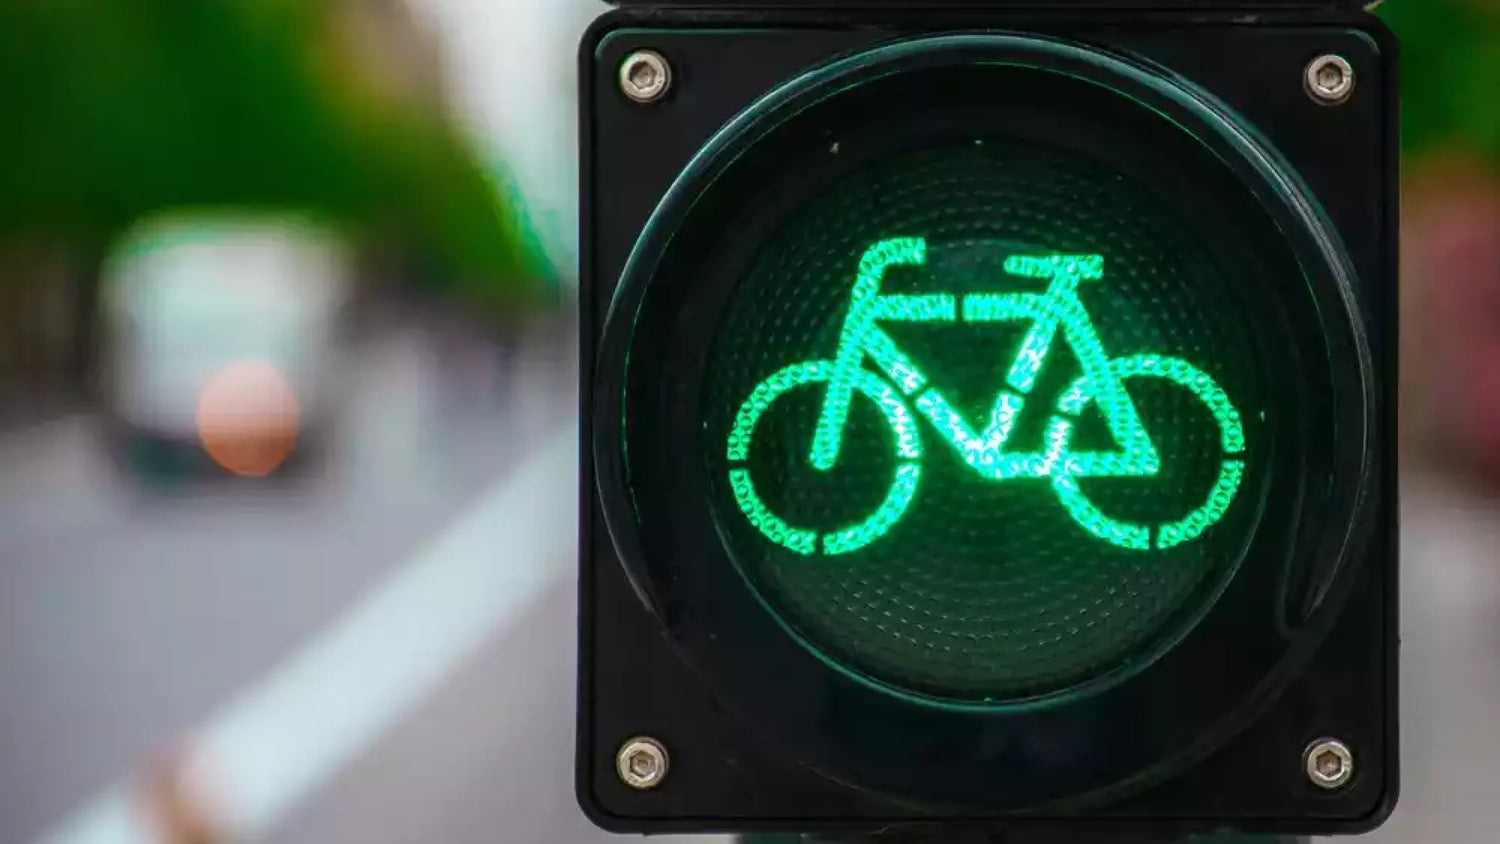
{"x": 985, "y": 588}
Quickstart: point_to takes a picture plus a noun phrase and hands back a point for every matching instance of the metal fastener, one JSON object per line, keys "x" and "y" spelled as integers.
{"x": 642, "y": 763}
{"x": 645, "y": 76}
{"x": 1329, "y": 80}
{"x": 1329, "y": 763}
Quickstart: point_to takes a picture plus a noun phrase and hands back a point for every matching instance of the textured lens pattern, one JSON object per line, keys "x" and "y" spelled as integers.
{"x": 984, "y": 590}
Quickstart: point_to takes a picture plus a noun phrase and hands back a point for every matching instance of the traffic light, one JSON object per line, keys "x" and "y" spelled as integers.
{"x": 988, "y": 419}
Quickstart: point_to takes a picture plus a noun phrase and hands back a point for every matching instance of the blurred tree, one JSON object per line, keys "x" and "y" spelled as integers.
{"x": 116, "y": 109}
{"x": 1450, "y": 67}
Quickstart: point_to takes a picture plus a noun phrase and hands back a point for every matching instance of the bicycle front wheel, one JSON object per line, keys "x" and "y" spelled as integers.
{"x": 1136, "y": 535}
{"x": 851, "y": 537}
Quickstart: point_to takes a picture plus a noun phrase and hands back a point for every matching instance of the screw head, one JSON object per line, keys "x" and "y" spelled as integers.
{"x": 1329, "y": 763}
{"x": 642, "y": 763}
{"x": 1329, "y": 80}
{"x": 645, "y": 76}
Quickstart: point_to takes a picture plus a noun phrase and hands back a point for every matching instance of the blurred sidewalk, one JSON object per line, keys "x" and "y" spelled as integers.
{"x": 1450, "y": 667}
{"x": 127, "y": 614}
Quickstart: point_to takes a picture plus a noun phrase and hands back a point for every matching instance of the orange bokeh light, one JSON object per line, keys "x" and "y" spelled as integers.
{"x": 248, "y": 418}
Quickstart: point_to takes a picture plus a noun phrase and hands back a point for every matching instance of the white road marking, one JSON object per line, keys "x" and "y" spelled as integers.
{"x": 279, "y": 741}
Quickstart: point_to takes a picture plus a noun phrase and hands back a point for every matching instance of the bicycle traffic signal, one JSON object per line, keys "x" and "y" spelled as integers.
{"x": 987, "y": 419}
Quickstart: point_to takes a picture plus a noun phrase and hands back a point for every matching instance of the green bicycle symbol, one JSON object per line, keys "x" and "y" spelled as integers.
{"x": 1059, "y": 309}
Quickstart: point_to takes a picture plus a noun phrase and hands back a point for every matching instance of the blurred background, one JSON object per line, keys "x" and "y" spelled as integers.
{"x": 252, "y": 583}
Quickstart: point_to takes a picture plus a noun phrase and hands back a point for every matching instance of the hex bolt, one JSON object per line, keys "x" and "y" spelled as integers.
{"x": 1329, "y": 763}
{"x": 645, "y": 76}
{"x": 642, "y": 763}
{"x": 1329, "y": 80}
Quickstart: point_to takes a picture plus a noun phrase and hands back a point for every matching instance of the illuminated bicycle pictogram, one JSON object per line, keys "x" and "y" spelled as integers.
{"x": 1059, "y": 309}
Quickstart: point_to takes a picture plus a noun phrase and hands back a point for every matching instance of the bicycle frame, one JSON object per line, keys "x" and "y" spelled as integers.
{"x": 1059, "y": 309}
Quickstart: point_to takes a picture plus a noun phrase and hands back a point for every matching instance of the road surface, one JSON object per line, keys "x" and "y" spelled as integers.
{"x": 127, "y": 614}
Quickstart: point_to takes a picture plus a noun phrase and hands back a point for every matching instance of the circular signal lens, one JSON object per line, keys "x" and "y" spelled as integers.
{"x": 984, "y": 415}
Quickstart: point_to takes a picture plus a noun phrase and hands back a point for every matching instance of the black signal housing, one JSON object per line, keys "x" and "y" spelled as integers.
{"x": 676, "y": 644}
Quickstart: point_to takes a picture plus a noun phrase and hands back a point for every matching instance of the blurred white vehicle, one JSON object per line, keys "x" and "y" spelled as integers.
{"x": 222, "y": 339}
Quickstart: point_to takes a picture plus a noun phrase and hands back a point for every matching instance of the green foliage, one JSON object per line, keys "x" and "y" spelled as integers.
{"x": 1450, "y": 66}
{"x": 117, "y": 109}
